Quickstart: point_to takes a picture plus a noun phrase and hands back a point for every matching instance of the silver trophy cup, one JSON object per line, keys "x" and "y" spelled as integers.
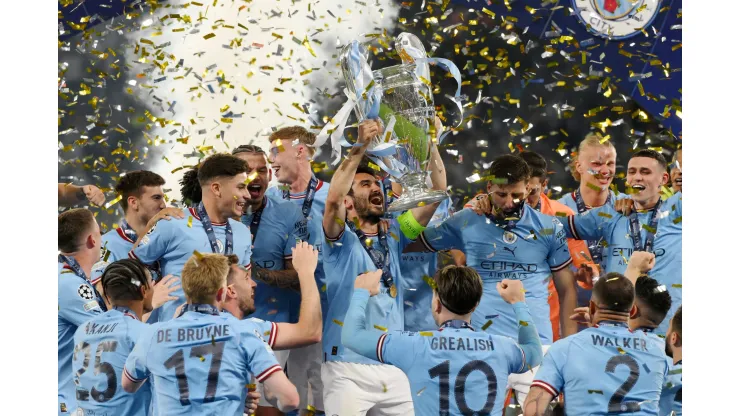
{"x": 408, "y": 99}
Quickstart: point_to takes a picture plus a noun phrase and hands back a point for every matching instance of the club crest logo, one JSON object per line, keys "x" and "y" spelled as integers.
{"x": 509, "y": 237}
{"x": 616, "y": 19}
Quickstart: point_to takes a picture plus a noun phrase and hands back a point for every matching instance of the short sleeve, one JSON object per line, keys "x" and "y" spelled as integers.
{"x": 136, "y": 368}
{"x": 155, "y": 243}
{"x": 245, "y": 257}
{"x": 592, "y": 224}
{"x": 447, "y": 234}
{"x": 550, "y": 374}
{"x": 299, "y": 230}
{"x": 261, "y": 360}
{"x": 268, "y": 330}
{"x": 513, "y": 353}
{"x": 558, "y": 254}
{"x": 77, "y": 300}
{"x": 333, "y": 247}
{"x": 399, "y": 348}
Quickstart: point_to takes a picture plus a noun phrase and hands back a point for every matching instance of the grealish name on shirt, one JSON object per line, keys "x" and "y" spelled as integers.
{"x": 633, "y": 343}
{"x": 464, "y": 344}
{"x": 194, "y": 334}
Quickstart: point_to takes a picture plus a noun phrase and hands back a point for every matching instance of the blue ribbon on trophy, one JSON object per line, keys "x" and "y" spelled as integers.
{"x": 401, "y": 96}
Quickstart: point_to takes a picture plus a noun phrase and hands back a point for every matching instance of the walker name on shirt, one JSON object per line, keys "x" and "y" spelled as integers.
{"x": 614, "y": 342}
{"x": 461, "y": 344}
{"x": 193, "y": 334}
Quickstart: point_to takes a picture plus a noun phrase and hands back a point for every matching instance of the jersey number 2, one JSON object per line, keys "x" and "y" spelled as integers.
{"x": 177, "y": 361}
{"x": 100, "y": 367}
{"x": 615, "y": 403}
{"x": 443, "y": 372}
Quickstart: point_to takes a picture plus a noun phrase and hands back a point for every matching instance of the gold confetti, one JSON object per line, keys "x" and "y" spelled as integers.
{"x": 613, "y": 278}
{"x": 621, "y": 351}
{"x": 677, "y": 286}
{"x": 418, "y": 393}
{"x": 323, "y": 288}
{"x": 649, "y": 229}
{"x": 197, "y": 254}
{"x": 592, "y": 186}
{"x": 202, "y": 358}
{"x": 677, "y": 220}
{"x": 523, "y": 323}
{"x": 113, "y": 202}
{"x": 251, "y": 387}
{"x": 605, "y": 215}
{"x": 210, "y": 35}
{"x": 381, "y": 328}
{"x": 486, "y": 325}
{"x": 190, "y": 222}
{"x": 340, "y": 323}
{"x": 595, "y": 392}
{"x": 426, "y": 334}
{"x": 252, "y": 176}
{"x": 369, "y": 242}
{"x": 385, "y": 388}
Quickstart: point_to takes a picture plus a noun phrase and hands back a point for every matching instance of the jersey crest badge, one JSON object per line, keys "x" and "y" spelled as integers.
{"x": 509, "y": 237}
{"x": 616, "y": 19}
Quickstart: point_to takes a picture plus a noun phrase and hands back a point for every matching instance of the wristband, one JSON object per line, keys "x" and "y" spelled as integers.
{"x": 409, "y": 226}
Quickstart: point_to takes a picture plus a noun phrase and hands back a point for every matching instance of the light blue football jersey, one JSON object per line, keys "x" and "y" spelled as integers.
{"x": 417, "y": 293}
{"x": 670, "y": 396}
{"x": 454, "y": 370}
{"x": 118, "y": 243}
{"x": 605, "y": 369}
{"x": 102, "y": 345}
{"x": 201, "y": 362}
{"x": 345, "y": 258}
{"x": 605, "y": 222}
{"x": 77, "y": 303}
{"x": 173, "y": 242}
{"x": 266, "y": 329}
{"x": 314, "y": 216}
{"x": 280, "y": 226}
{"x": 529, "y": 252}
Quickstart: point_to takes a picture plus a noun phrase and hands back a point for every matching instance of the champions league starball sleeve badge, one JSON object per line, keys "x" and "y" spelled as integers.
{"x": 401, "y": 96}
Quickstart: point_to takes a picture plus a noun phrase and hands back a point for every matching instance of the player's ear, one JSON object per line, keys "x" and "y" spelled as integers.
{"x": 215, "y": 188}
{"x": 665, "y": 179}
{"x": 349, "y": 203}
{"x": 221, "y": 294}
{"x": 545, "y": 183}
{"x": 132, "y": 202}
{"x": 633, "y": 311}
{"x": 489, "y": 187}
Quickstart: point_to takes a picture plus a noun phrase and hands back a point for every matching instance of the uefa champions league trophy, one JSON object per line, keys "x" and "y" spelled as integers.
{"x": 401, "y": 96}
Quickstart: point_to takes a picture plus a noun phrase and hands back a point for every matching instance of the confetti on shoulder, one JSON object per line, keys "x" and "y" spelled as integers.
{"x": 486, "y": 325}
{"x": 380, "y": 328}
{"x": 426, "y": 333}
{"x": 340, "y": 323}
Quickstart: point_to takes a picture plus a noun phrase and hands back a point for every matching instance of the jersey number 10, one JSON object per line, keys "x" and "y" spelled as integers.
{"x": 443, "y": 372}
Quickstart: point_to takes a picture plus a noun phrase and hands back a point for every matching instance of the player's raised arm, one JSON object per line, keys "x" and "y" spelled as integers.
{"x": 640, "y": 263}
{"x": 512, "y": 291}
{"x": 444, "y": 236}
{"x": 69, "y": 195}
{"x": 593, "y": 224}
{"x": 354, "y": 334}
{"x": 424, "y": 214}
{"x": 308, "y": 329}
{"x": 335, "y": 211}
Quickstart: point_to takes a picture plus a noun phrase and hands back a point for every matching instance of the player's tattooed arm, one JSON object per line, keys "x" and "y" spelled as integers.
{"x": 283, "y": 279}
{"x": 538, "y": 402}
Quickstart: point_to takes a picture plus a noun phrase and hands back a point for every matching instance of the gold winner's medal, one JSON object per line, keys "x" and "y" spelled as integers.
{"x": 393, "y": 291}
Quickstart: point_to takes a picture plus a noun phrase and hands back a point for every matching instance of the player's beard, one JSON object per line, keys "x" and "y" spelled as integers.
{"x": 368, "y": 212}
{"x": 668, "y": 349}
{"x": 246, "y": 307}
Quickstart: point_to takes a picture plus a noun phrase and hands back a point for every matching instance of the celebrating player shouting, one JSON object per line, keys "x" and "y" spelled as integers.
{"x": 356, "y": 243}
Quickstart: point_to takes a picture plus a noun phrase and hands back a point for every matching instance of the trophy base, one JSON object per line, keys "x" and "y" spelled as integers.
{"x": 416, "y": 193}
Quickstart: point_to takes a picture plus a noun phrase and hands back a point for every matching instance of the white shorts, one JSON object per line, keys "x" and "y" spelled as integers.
{"x": 520, "y": 382}
{"x": 304, "y": 370}
{"x": 352, "y": 389}
{"x": 282, "y": 359}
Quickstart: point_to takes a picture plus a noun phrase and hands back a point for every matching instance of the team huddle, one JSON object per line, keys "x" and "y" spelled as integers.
{"x": 313, "y": 297}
